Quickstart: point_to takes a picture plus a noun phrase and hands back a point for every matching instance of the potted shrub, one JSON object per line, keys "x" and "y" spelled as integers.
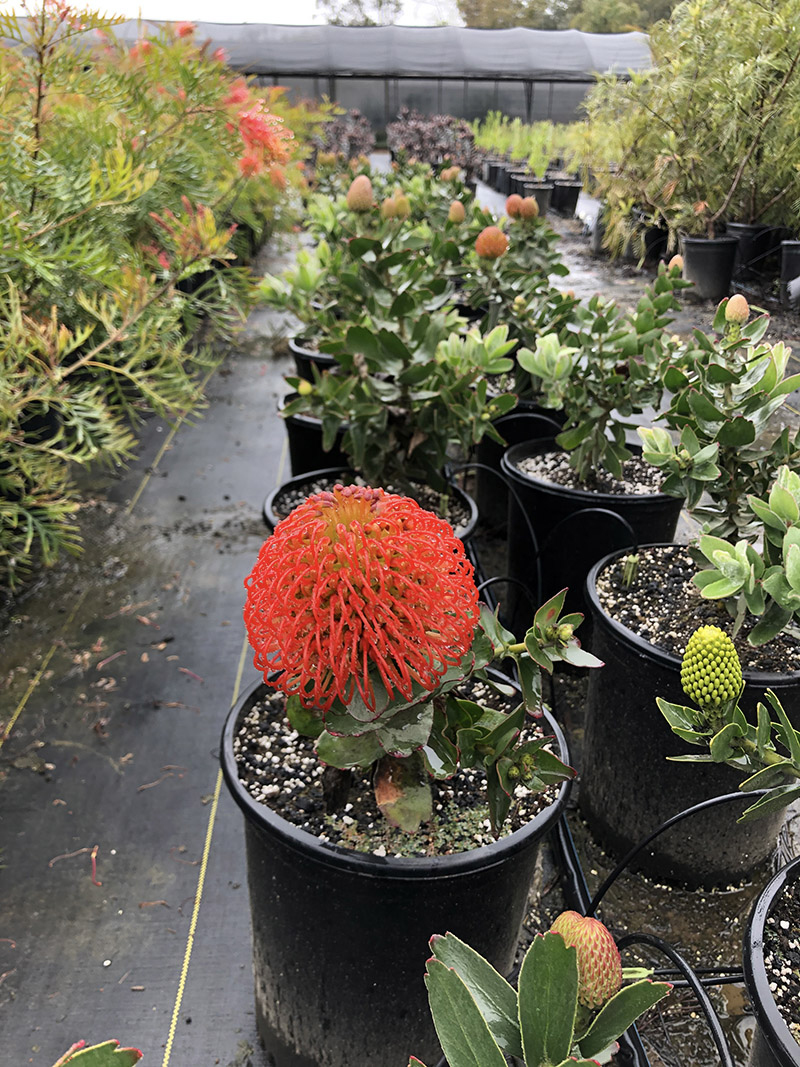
{"x": 570, "y": 1006}
{"x": 599, "y": 373}
{"x": 643, "y": 611}
{"x": 405, "y": 398}
{"x": 764, "y": 747}
{"x": 703, "y": 131}
{"x": 362, "y": 609}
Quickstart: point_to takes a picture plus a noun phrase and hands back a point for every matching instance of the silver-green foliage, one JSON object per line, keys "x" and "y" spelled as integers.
{"x": 480, "y": 1019}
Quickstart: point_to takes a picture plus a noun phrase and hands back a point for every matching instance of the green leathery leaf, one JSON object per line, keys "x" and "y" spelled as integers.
{"x": 307, "y": 721}
{"x": 463, "y": 1033}
{"x": 346, "y": 752}
{"x": 720, "y": 746}
{"x": 403, "y": 791}
{"x": 769, "y": 625}
{"x": 407, "y": 730}
{"x": 530, "y": 680}
{"x": 548, "y": 999}
{"x": 775, "y": 800}
{"x": 548, "y": 613}
{"x": 785, "y": 729}
{"x": 495, "y": 998}
{"x": 360, "y": 339}
{"x": 768, "y": 777}
{"x": 737, "y": 431}
{"x": 703, "y": 408}
{"x": 764, "y": 730}
{"x": 620, "y": 1012}
{"x": 579, "y": 657}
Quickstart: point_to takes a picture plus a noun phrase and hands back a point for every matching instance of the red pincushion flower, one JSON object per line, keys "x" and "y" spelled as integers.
{"x": 491, "y": 243}
{"x": 359, "y": 580}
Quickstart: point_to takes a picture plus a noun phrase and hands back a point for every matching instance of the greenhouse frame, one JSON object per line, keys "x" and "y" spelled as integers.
{"x": 534, "y": 75}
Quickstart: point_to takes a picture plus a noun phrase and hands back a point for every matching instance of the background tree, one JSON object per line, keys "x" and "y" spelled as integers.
{"x": 593, "y": 16}
{"x": 608, "y": 16}
{"x": 360, "y": 12}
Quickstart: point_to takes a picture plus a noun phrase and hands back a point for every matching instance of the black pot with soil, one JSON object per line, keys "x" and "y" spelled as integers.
{"x": 527, "y": 422}
{"x": 564, "y": 197}
{"x": 628, "y": 785}
{"x": 456, "y": 506}
{"x": 541, "y": 193}
{"x": 708, "y": 262}
{"x": 304, "y": 433}
{"x": 306, "y": 358}
{"x": 572, "y": 528}
{"x": 771, "y": 967}
{"x": 340, "y": 937}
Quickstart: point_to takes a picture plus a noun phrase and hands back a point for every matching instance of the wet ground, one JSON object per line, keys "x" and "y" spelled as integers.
{"x": 124, "y": 905}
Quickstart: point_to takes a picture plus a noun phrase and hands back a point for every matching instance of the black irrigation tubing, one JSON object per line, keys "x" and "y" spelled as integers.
{"x": 702, "y": 806}
{"x": 506, "y": 579}
{"x": 474, "y": 465}
{"x": 633, "y": 543}
{"x": 694, "y": 983}
{"x": 577, "y": 896}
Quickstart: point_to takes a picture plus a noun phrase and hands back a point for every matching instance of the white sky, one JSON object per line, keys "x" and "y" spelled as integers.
{"x": 289, "y": 12}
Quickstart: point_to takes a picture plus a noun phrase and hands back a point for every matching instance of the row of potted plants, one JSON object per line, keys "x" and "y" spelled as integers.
{"x": 390, "y": 290}
{"x": 703, "y": 143}
{"x": 134, "y": 184}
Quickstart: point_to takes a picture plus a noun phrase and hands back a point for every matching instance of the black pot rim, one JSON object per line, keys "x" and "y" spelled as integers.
{"x": 778, "y": 1035}
{"x": 296, "y": 345}
{"x": 301, "y": 417}
{"x": 766, "y": 679}
{"x": 272, "y": 520}
{"x": 403, "y": 868}
{"x": 695, "y": 238}
{"x": 548, "y": 444}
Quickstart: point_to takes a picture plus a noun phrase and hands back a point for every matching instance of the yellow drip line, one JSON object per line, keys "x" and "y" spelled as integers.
{"x": 38, "y": 676}
{"x": 187, "y": 956}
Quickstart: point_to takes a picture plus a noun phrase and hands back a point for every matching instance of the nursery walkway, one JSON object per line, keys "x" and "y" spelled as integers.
{"x": 122, "y": 878}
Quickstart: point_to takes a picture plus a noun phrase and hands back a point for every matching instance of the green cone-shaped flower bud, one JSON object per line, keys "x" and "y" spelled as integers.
{"x": 710, "y": 673}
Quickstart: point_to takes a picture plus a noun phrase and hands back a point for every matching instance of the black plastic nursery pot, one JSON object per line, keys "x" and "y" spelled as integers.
{"x": 340, "y": 938}
{"x": 527, "y": 422}
{"x": 573, "y": 529}
{"x": 708, "y": 262}
{"x": 306, "y": 358}
{"x": 564, "y": 197}
{"x": 541, "y": 192}
{"x": 773, "y": 1043}
{"x": 755, "y": 242}
{"x": 304, "y": 433}
{"x": 628, "y": 785}
{"x": 302, "y": 485}
{"x": 502, "y": 178}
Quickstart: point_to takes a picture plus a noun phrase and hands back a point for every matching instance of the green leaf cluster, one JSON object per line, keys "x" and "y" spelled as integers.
{"x": 767, "y": 751}
{"x": 404, "y": 401}
{"x": 480, "y": 1019}
{"x": 761, "y": 579}
{"x": 603, "y": 368}
{"x": 725, "y": 387}
{"x": 707, "y": 134}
